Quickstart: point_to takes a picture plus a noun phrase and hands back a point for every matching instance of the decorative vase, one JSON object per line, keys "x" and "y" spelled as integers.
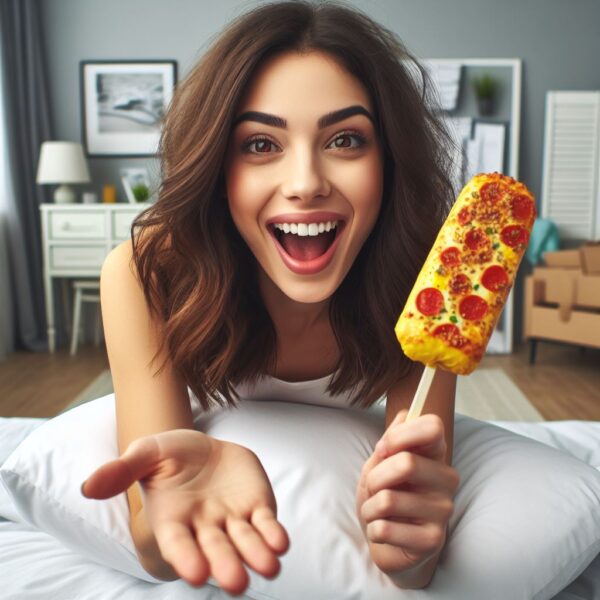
{"x": 485, "y": 106}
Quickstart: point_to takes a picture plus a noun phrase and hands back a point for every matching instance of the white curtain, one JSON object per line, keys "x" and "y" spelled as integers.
{"x": 6, "y": 309}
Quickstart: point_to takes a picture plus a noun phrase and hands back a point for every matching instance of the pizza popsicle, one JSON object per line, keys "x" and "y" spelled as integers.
{"x": 458, "y": 296}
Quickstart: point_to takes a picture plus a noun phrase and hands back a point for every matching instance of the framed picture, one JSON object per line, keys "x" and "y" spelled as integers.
{"x": 136, "y": 184}
{"x": 122, "y": 105}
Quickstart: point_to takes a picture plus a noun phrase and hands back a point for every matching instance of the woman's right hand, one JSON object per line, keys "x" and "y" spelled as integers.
{"x": 209, "y": 503}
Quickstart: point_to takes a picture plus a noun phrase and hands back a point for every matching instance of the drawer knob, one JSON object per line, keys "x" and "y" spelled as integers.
{"x": 68, "y": 227}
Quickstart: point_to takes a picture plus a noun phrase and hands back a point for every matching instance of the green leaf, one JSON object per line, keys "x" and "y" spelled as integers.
{"x": 141, "y": 192}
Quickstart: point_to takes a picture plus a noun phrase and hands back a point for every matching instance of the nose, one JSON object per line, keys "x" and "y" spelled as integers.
{"x": 304, "y": 177}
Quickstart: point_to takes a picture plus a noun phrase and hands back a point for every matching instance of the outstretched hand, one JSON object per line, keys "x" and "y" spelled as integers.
{"x": 209, "y": 503}
{"x": 404, "y": 497}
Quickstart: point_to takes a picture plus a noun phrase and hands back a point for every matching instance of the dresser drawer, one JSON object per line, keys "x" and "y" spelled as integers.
{"x": 66, "y": 225}
{"x": 121, "y": 224}
{"x": 77, "y": 257}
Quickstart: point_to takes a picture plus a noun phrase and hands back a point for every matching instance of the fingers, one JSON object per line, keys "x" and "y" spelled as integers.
{"x": 213, "y": 551}
{"x": 116, "y": 476}
{"x": 252, "y": 547}
{"x": 270, "y": 528}
{"x": 178, "y": 547}
{"x": 396, "y": 504}
{"x": 425, "y": 435}
{"x": 410, "y": 468}
{"x": 225, "y": 562}
{"x": 420, "y": 539}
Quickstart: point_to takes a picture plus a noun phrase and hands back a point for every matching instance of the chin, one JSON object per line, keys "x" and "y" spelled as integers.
{"x": 307, "y": 293}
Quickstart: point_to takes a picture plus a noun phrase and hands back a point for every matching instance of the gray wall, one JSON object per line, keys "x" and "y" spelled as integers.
{"x": 558, "y": 42}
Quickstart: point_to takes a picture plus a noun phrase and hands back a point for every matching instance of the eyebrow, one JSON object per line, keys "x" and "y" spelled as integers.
{"x": 324, "y": 121}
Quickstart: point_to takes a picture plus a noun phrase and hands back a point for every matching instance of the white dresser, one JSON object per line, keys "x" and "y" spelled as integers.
{"x": 76, "y": 239}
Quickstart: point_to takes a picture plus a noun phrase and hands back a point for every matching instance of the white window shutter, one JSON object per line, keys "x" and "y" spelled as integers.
{"x": 571, "y": 163}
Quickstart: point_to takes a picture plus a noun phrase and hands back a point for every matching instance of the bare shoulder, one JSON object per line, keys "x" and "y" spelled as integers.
{"x": 119, "y": 268}
{"x": 118, "y": 258}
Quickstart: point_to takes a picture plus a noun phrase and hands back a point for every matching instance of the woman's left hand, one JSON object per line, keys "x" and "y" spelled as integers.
{"x": 405, "y": 494}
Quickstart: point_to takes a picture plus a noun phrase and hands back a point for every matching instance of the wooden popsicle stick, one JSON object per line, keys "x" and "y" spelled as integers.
{"x": 421, "y": 394}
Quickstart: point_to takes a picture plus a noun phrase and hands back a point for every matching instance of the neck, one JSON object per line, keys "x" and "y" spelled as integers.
{"x": 289, "y": 316}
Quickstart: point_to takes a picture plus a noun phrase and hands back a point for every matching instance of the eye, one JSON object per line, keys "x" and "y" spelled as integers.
{"x": 348, "y": 135}
{"x": 261, "y": 142}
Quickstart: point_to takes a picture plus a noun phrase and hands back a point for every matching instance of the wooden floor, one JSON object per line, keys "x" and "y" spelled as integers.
{"x": 34, "y": 384}
{"x": 563, "y": 384}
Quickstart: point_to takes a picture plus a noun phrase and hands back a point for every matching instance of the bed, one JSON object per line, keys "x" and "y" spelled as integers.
{"x": 36, "y": 564}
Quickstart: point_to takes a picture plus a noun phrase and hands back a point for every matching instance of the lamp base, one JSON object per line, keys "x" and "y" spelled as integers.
{"x": 64, "y": 195}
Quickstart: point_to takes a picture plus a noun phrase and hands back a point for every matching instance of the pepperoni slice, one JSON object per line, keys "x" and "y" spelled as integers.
{"x": 472, "y": 308}
{"x": 521, "y": 208}
{"x": 514, "y": 235}
{"x": 494, "y": 278}
{"x": 430, "y": 301}
{"x": 476, "y": 238}
{"x": 492, "y": 191}
{"x": 450, "y": 257}
{"x": 465, "y": 215}
{"x": 460, "y": 285}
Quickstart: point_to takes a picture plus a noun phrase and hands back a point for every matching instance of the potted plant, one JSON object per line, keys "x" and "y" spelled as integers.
{"x": 485, "y": 91}
{"x": 141, "y": 192}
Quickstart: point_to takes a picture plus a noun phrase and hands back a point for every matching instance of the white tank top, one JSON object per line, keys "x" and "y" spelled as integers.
{"x": 313, "y": 391}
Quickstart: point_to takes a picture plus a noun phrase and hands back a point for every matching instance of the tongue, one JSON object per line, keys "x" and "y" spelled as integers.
{"x": 306, "y": 247}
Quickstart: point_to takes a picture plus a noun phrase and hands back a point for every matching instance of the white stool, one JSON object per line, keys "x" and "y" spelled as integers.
{"x": 84, "y": 292}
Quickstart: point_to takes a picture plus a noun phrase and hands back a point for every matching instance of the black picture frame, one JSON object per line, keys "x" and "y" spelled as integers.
{"x": 122, "y": 105}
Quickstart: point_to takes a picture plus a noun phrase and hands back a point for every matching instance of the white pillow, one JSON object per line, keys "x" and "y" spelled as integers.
{"x": 526, "y": 520}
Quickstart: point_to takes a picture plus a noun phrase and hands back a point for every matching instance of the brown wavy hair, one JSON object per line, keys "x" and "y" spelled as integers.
{"x": 198, "y": 275}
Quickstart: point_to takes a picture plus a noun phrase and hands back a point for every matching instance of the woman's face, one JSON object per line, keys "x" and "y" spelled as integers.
{"x": 303, "y": 193}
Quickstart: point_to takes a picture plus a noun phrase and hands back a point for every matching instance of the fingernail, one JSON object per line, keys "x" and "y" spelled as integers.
{"x": 82, "y": 492}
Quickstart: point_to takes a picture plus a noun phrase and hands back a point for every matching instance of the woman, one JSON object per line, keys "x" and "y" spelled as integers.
{"x": 303, "y": 185}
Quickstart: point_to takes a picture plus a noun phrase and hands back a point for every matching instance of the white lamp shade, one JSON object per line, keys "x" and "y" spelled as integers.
{"x": 62, "y": 162}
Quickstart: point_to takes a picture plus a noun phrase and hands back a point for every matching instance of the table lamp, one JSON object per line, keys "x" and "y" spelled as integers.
{"x": 62, "y": 163}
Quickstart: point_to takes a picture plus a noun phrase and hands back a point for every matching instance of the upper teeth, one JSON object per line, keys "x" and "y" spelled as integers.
{"x": 306, "y": 228}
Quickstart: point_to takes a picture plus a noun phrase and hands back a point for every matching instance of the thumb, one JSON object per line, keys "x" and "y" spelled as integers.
{"x": 116, "y": 476}
{"x": 399, "y": 418}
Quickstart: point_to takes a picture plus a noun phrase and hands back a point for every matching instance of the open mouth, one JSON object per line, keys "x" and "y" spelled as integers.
{"x": 306, "y": 248}
{"x": 307, "y": 254}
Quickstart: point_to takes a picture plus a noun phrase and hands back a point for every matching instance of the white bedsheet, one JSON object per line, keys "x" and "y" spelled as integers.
{"x": 35, "y": 565}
